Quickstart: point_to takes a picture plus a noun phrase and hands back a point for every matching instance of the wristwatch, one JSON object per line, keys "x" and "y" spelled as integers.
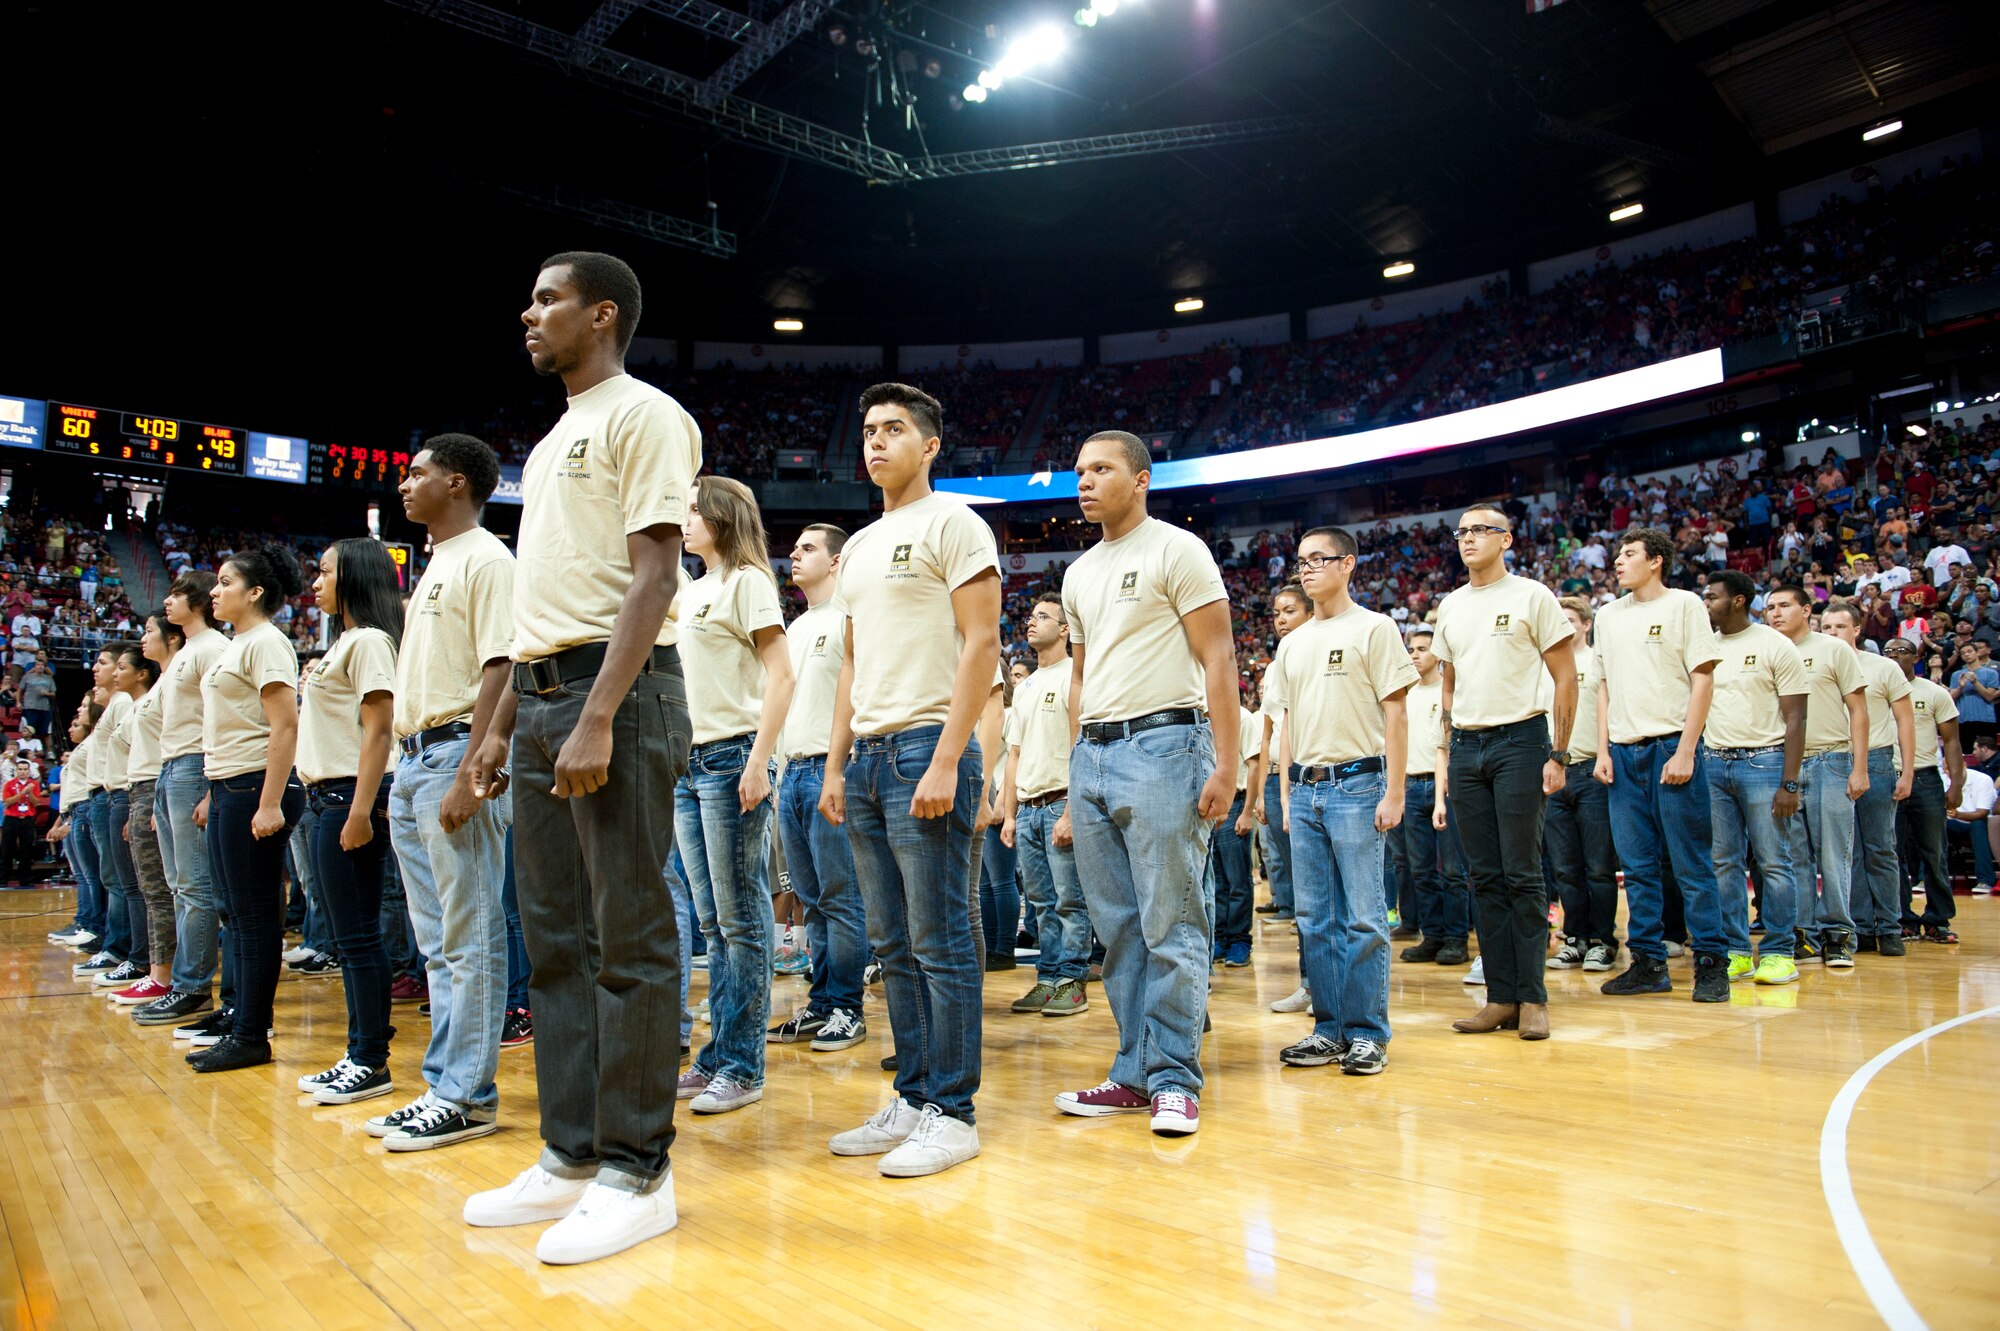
{"x": 1559, "y": 756}
{"x": 1789, "y": 787}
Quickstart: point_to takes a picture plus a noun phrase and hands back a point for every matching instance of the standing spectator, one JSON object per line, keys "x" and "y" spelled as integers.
{"x": 38, "y": 691}
{"x": 23, "y": 799}
{"x": 1975, "y": 685}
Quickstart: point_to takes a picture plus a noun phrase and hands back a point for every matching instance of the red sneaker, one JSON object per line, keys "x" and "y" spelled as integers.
{"x": 408, "y": 989}
{"x": 147, "y": 990}
{"x": 1101, "y": 1101}
{"x": 1176, "y": 1114}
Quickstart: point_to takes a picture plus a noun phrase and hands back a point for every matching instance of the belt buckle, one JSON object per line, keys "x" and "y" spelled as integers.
{"x": 543, "y": 675}
{"x": 412, "y": 745}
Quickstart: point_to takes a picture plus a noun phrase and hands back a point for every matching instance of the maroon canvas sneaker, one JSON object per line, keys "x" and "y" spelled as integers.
{"x": 1176, "y": 1114}
{"x": 1100, "y": 1101}
{"x": 408, "y": 989}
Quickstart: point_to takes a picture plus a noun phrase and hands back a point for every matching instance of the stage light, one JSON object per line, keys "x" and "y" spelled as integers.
{"x": 1941, "y": 405}
{"x": 1881, "y": 131}
{"x": 1402, "y": 268}
{"x": 1917, "y": 430}
{"x": 975, "y": 92}
{"x": 788, "y": 325}
{"x": 1629, "y": 210}
{"x": 990, "y": 78}
{"x": 1749, "y": 436}
{"x": 1105, "y": 7}
{"x": 1187, "y": 305}
{"x": 1086, "y": 18}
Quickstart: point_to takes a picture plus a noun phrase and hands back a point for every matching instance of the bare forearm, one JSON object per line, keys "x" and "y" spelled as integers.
{"x": 492, "y": 710}
{"x": 1701, "y": 692}
{"x": 633, "y": 635}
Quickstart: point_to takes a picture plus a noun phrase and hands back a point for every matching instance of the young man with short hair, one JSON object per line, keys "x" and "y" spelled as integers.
{"x": 1436, "y": 864}
{"x": 1504, "y": 746}
{"x": 1290, "y": 607}
{"x": 921, "y": 588}
{"x": 1833, "y": 775}
{"x": 1921, "y": 817}
{"x": 1876, "y": 897}
{"x": 816, "y": 852}
{"x": 599, "y": 730}
{"x": 1035, "y": 796}
{"x": 1340, "y": 681}
{"x": 1151, "y": 651}
{"x": 1576, "y": 830}
{"x": 1756, "y": 735}
{"x": 1655, "y": 666}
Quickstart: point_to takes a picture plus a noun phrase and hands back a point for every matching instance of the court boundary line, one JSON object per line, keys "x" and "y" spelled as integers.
{"x": 1877, "y": 1281}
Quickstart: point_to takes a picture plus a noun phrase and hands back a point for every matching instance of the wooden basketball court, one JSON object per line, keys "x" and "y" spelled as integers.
{"x": 1655, "y": 1164}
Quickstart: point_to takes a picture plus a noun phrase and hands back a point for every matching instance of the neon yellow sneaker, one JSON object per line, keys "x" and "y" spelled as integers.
{"x": 1773, "y": 969}
{"x": 1740, "y": 966}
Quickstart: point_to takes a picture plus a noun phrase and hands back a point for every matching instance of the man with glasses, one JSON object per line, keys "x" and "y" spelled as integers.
{"x": 1892, "y": 737}
{"x": 1497, "y": 636}
{"x": 1920, "y": 818}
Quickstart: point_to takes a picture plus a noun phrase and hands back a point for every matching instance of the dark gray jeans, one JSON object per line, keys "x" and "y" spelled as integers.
{"x": 1496, "y": 793}
{"x": 602, "y": 935}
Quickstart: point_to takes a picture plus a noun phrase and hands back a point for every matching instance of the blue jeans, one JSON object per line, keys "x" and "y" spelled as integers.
{"x": 725, "y": 852}
{"x": 822, "y": 868}
{"x": 81, "y": 847}
{"x": 452, "y": 883}
{"x": 518, "y": 969}
{"x": 184, "y": 849}
{"x": 999, "y": 893}
{"x": 1651, "y": 823}
{"x": 1740, "y": 792}
{"x": 118, "y": 869}
{"x": 1576, "y": 832}
{"x": 1141, "y": 846}
{"x": 675, "y": 877}
{"x": 249, "y": 871}
{"x": 916, "y": 879}
{"x": 349, "y": 883}
{"x": 1229, "y": 867}
{"x": 1824, "y": 838}
{"x": 1435, "y": 864}
{"x": 1875, "y": 897}
{"x": 316, "y": 932}
{"x": 398, "y": 939}
{"x": 1337, "y": 868}
{"x": 1277, "y": 849}
{"x": 117, "y": 930}
{"x": 1049, "y": 873}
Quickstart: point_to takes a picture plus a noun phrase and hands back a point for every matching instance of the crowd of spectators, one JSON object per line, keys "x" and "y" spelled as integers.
{"x": 62, "y": 591}
{"x": 183, "y": 547}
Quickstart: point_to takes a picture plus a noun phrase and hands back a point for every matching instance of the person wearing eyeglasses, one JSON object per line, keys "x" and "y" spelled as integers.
{"x": 1503, "y": 748}
{"x": 1655, "y": 671}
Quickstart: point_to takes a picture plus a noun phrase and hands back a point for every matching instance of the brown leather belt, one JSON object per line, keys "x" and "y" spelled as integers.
{"x": 1037, "y": 801}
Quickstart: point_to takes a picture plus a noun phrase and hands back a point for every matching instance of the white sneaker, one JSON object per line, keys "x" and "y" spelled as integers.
{"x": 884, "y": 1132}
{"x": 1568, "y": 957}
{"x": 1477, "y": 975}
{"x": 293, "y": 955}
{"x": 606, "y": 1220}
{"x": 534, "y": 1196}
{"x": 1676, "y": 949}
{"x": 1299, "y": 1000}
{"x": 312, "y": 1081}
{"x": 702, "y": 1012}
{"x": 724, "y": 1094}
{"x": 936, "y": 1143}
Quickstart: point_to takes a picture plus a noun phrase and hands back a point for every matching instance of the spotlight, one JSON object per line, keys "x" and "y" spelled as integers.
{"x": 1187, "y": 305}
{"x": 1402, "y": 268}
{"x": 1917, "y": 430}
{"x": 1086, "y": 18}
{"x": 1749, "y": 436}
{"x": 990, "y": 78}
{"x": 1629, "y": 210}
{"x": 788, "y": 325}
{"x": 1941, "y": 405}
{"x": 1105, "y": 7}
{"x": 1881, "y": 131}
{"x": 975, "y": 92}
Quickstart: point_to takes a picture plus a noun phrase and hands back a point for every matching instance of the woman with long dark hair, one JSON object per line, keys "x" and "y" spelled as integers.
{"x": 250, "y": 730}
{"x": 132, "y": 679}
{"x": 346, "y": 705}
{"x": 156, "y": 649}
{"x": 739, "y": 681}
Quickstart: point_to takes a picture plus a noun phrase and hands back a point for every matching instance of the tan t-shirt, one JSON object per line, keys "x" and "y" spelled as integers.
{"x": 1885, "y": 684}
{"x": 818, "y": 642}
{"x": 360, "y": 662}
{"x": 1583, "y": 733}
{"x": 1647, "y": 653}
{"x": 79, "y": 777}
{"x": 235, "y": 734}
{"x": 461, "y": 616}
{"x": 1248, "y": 742}
{"x": 144, "y": 762}
{"x": 1932, "y": 703}
{"x": 116, "y": 749}
{"x": 180, "y": 687}
{"x": 897, "y": 575}
{"x": 718, "y": 613}
{"x": 1330, "y": 676}
{"x": 1758, "y": 666}
{"x": 1833, "y": 670}
{"x": 622, "y": 458}
{"x": 1493, "y": 637}
{"x": 1423, "y": 706}
{"x": 1124, "y": 600}
{"x": 1041, "y": 718}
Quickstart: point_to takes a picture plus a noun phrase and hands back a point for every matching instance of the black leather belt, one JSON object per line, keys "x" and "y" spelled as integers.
{"x": 550, "y": 673}
{"x": 1103, "y": 732}
{"x": 412, "y": 745}
{"x": 1735, "y": 755}
{"x": 1048, "y": 797}
{"x": 1307, "y": 776}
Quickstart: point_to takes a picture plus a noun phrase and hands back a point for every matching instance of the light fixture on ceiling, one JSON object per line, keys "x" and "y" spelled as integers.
{"x": 975, "y": 92}
{"x": 1749, "y": 436}
{"x": 1881, "y": 131}
{"x": 1917, "y": 430}
{"x": 1624, "y": 211}
{"x": 1401, "y": 268}
{"x": 1187, "y": 304}
{"x": 788, "y": 325}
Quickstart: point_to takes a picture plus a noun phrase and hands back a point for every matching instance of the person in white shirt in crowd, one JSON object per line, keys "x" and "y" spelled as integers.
{"x": 1971, "y": 820}
{"x": 1945, "y": 556}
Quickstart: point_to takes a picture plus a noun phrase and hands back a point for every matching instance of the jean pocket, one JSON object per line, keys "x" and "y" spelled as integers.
{"x": 1766, "y": 762}
{"x": 909, "y": 763}
{"x": 1166, "y": 741}
{"x": 675, "y": 735}
{"x": 722, "y": 759}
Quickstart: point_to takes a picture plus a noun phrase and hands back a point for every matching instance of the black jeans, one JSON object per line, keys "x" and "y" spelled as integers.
{"x": 1578, "y": 832}
{"x": 1921, "y": 846}
{"x": 17, "y": 851}
{"x": 1229, "y": 862}
{"x": 1435, "y": 863}
{"x": 249, "y": 876}
{"x": 122, "y": 878}
{"x": 1496, "y": 791}
{"x": 603, "y": 938}
{"x": 350, "y": 884}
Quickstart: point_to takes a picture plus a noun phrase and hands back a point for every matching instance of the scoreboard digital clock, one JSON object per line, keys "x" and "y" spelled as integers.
{"x": 125, "y": 436}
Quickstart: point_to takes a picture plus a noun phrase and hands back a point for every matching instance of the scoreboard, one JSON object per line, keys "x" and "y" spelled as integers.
{"x": 125, "y": 436}
{"x": 358, "y": 467}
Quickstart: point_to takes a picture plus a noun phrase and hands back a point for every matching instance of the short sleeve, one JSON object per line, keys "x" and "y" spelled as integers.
{"x": 271, "y": 660}
{"x": 489, "y": 591}
{"x": 1010, "y": 729}
{"x": 1847, "y": 672}
{"x": 1276, "y": 690}
{"x": 1898, "y": 687}
{"x": 965, "y": 547}
{"x": 1701, "y": 646}
{"x": 757, "y": 602}
{"x": 1072, "y": 613}
{"x": 1388, "y": 664}
{"x": 1788, "y": 671}
{"x": 658, "y": 451}
{"x": 1947, "y": 710}
{"x": 1192, "y": 578}
{"x": 371, "y": 663}
{"x": 1547, "y": 619}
